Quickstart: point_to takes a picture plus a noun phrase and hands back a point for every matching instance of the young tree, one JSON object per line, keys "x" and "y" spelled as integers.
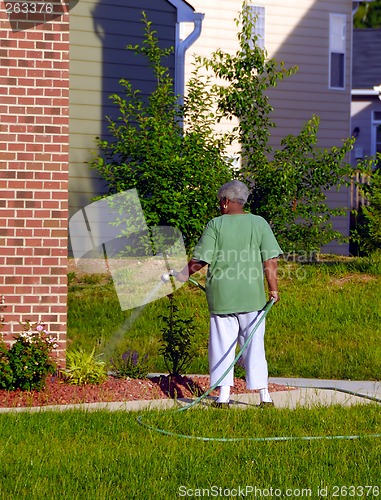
{"x": 288, "y": 186}
{"x": 175, "y": 169}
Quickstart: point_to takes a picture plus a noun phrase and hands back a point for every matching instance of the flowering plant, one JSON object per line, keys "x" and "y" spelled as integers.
{"x": 129, "y": 365}
{"x": 30, "y": 357}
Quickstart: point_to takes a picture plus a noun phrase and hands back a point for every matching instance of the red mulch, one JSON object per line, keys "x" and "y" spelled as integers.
{"x": 118, "y": 390}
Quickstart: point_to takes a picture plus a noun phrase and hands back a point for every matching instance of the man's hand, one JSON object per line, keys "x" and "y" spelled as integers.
{"x": 182, "y": 277}
{"x": 271, "y": 270}
{"x": 274, "y": 296}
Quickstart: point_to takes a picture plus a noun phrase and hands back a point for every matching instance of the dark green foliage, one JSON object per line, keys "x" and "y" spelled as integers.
{"x": 368, "y": 15}
{"x": 178, "y": 346}
{"x": 29, "y": 358}
{"x": 176, "y": 171}
{"x": 6, "y": 374}
{"x": 369, "y": 217}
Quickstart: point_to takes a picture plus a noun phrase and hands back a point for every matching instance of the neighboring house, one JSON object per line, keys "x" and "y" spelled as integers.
{"x": 315, "y": 35}
{"x": 100, "y": 30}
{"x": 366, "y": 93}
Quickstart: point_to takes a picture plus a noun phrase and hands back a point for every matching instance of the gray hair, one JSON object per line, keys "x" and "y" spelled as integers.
{"x": 235, "y": 191}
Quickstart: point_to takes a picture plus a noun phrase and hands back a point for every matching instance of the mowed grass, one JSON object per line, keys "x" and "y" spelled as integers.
{"x": 104, "y": 455}
{"x": 327, "y": 324}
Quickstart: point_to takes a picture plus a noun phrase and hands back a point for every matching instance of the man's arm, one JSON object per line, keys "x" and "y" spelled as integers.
{"x": 192, "y": 267}
{"x": 271, "y": 273}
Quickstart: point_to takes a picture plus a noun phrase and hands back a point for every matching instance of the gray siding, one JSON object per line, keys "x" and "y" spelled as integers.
{"x": 99, "y": 34}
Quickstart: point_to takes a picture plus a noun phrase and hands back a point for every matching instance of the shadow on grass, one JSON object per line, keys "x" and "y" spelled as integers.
{"x": 340, "y": 264}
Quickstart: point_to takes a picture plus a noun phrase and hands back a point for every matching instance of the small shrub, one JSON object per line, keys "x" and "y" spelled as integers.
{"x": 71, "y": 277}
{"x": 84, "y": 368}
{"x": 178, "y": 346}
{"x": 30, "y": 357}
{"x": 6, "y": 374}
{"x": 130, "y": 365}
{"x": 369, "y": 216}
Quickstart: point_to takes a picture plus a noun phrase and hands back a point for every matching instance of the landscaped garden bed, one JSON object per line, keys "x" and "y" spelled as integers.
{"x": 117, "y": 390}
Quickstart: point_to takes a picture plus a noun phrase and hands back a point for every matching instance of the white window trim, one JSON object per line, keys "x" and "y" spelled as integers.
{"x": 330, "y": 51}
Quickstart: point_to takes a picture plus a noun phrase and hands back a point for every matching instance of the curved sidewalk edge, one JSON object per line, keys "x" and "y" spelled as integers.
{"x": 303, "y": 392}
{"x": 369, "y": 388}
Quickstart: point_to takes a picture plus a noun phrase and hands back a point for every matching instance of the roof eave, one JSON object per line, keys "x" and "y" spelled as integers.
{"x": 365, "y": 92}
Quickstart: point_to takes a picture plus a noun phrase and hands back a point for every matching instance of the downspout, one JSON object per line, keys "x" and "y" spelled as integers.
{"x": 181, "y": 47}
{"x": 185, "y": 14}
{"x": 355, "y": 6}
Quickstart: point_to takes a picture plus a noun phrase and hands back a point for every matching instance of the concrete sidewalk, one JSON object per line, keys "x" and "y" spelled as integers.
{"x": 303, "y": 392}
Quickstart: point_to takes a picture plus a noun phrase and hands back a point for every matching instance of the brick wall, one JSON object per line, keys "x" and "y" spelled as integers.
{"x": 34, "y": 123}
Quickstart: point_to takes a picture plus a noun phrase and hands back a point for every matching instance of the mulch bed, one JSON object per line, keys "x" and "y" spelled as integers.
{"x": 118, "y": 390}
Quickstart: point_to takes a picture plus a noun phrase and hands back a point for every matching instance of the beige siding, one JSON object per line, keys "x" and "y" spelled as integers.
{"x": 298, "y": 34}
{"x": 99, "y": 33}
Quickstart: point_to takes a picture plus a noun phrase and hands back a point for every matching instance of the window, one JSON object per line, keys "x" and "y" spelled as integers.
{"x": 257, "y": 14}
{"x": 337, "y": 45}
{"x": 376, "y": 134}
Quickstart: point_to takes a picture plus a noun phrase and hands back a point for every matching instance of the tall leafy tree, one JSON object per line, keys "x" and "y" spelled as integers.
{"x": 368, "y": 15}
{"x": 288, "y": 187}
{"x": 176, "y": 170}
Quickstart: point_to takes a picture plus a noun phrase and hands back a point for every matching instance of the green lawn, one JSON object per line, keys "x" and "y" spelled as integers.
{"x": 79, "y": 455}
{"x": 327, "y": 324}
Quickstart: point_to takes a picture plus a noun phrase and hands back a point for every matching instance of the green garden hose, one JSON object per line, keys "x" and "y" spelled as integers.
{"x": 265, "y": 311}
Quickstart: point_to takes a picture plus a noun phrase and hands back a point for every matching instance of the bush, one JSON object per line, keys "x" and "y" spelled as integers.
{"x": 178, "y": 347}
{"x": 84, "y": 368}
{"x": 174, "y": 168}
{"x": 30, "y": 358}
{"x": 6, "y": 374}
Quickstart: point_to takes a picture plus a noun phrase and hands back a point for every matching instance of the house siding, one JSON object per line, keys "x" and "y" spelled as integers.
{"x": 99, "y": 34}
{"x": 296, "y": 33}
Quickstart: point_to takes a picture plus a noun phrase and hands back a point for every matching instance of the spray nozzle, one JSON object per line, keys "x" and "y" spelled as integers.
{"x": 167, "y": 276}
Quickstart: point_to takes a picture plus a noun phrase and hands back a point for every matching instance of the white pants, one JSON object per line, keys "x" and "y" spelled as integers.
{"x": 225, "y": 331}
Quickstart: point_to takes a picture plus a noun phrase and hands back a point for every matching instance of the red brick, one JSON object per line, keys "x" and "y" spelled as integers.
{"x": 31, "y": 299}
{"x": 16, "y": 280}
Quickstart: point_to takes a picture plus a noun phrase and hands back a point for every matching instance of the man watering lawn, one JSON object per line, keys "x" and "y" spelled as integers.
{"x": 237, "y": 247}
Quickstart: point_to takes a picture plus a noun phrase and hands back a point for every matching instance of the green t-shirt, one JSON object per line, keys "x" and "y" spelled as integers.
{"x": 235, "y": 247}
